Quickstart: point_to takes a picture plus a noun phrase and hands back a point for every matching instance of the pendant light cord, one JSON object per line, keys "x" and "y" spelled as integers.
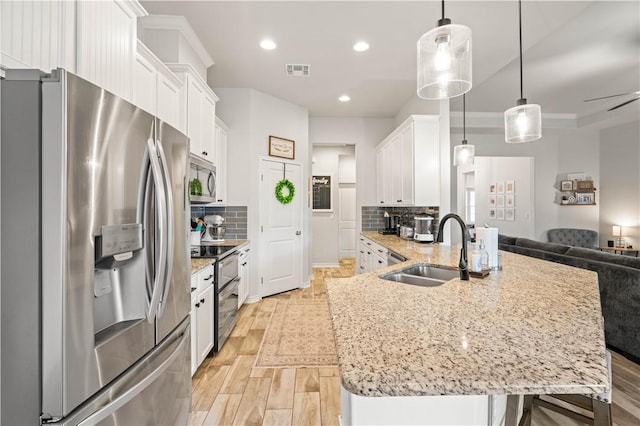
{"x": 464, "y": 119}
{"x": 442, "y": 9}
{"x": 520, "y": 28}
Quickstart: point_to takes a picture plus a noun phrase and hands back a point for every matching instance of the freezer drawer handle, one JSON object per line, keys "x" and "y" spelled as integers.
{"x": 127, "y": 396}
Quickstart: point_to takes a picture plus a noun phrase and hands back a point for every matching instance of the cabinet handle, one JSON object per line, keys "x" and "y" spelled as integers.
{"x": 244, "y": 264}
{"x": 361, "y": 252}
{"x": 202, "y": 301}
{"x": 381, "y": 202}
{"x": 399, "y": 201}
{"x": 219, "y": 201}
{"x": 379, "y": 261}
{"x": 204, "y": 153}
{"x": 380, "y": 251}
{"x": 209, "y": 277}
{"x": 197, "y": 305}
{"x": 368, "y": 252}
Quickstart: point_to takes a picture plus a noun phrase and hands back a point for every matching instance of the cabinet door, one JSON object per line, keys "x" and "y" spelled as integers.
{"x": 34, "y": 35}
{"x": 221, "y": 164}
{"x": 406, "y": 165}
{"x": 106, "y": 37}
{"x": 194, "y": 115}
{"x": 144, "y": 84}
{"x": 364, "y": 258}
{"x": 205, "y": 323}
{"x": 205, "y": 278}
{"x": 380, "y": 174}
{"x": 168, "y": 101}
{"x": 243, "y": 273}
{"x": 388, "y": 174}
{"x": 207, "y": 123}
{"x": 378, "y": 261}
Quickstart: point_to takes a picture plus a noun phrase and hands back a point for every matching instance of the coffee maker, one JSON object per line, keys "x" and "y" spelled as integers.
{"x": 423, "y": 229}
{"x": 391, "y": 224}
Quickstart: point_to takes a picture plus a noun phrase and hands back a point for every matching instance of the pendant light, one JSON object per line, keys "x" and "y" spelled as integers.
{"x": 523, "y": 122}
{"x": 463, "y": 154}
{"x": 444, "y": 61}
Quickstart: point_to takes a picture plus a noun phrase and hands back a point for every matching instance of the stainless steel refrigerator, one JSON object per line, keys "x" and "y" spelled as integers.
{"x": 95, "y": 273}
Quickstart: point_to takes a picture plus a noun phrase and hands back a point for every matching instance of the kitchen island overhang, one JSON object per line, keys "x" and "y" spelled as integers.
{"x": 533, "y": 328}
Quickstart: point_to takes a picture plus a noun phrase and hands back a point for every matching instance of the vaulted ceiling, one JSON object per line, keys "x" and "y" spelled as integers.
{"x": 573, "y": 50}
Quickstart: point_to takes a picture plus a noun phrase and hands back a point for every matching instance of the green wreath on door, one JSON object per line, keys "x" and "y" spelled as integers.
{"x": 285, "y": 191}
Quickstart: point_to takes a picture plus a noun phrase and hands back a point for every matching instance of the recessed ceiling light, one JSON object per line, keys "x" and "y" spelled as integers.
{"x": 361, "y": 46}
{"x": 268, "y": 44}
{"x": 344, "y": 98}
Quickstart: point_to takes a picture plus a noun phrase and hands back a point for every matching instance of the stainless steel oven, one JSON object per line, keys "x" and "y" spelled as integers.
{"x": 226, "y": 297}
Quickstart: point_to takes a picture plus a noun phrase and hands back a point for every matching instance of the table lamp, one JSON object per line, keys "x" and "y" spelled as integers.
{"x": 617, "y": 233}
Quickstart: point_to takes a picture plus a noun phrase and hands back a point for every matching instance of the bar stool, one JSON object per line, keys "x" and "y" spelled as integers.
{"x": 599, "y": 404}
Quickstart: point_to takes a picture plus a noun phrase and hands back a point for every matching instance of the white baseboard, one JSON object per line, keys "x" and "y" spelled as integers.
{"x": 326, "y": 265}
{"x": 306, "y": 284}
{"x": 253, "y": 299}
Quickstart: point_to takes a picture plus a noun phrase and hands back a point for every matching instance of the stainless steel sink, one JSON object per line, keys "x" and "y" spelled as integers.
{"x": 422, "y": 275}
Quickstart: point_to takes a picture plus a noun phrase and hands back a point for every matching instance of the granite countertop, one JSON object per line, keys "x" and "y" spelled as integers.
{"x": 199, "y": 263}
{"x": 533, "y": 328}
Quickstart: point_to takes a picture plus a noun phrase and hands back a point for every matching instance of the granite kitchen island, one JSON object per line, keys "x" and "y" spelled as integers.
{"x": 428, "y": 354}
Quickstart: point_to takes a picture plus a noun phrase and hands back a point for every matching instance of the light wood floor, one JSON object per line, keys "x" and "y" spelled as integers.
{"x": 228, "y": 391}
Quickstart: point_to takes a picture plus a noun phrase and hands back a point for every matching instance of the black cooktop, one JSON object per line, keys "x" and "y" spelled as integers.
{"x": 217, "y": 251}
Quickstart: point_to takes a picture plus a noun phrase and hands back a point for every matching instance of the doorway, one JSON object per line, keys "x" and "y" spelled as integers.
{"x": 334, "y": 217}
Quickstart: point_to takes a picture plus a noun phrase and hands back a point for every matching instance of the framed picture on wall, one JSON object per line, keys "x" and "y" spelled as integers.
{"x": 500, "y": 200}
{"x": 283, "y": 148}
{"x": 510, "y": 187}
{"x": 500, "y": 214}
{"x": 509, "y": 200}
{"x": 492, "y": 200}
{"x": 500, "y": 187}
{"x": 492, "y": 188}
{"x": 321, "y": 193}
{"x": 492, "y": 213}
{"x": 510, "y": 214}
{"x": 566, "y": 185}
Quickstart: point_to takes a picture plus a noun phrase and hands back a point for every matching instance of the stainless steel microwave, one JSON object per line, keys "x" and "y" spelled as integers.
{"x": 202, "y": 181}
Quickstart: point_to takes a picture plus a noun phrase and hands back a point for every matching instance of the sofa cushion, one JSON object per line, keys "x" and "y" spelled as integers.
{"x": 539, "y": 254}
{"x": 537, "y": 245}
{"x": 573, "y": 237}
{"x": 632, "y": 262}
{"x": 507, "y": 240}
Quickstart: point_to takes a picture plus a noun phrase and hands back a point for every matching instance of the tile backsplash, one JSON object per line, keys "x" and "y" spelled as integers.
{"x": 373, "y": 216}
{"x": 235, "y": 219}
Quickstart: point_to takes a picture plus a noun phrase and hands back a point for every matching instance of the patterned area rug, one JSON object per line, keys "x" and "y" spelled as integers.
{"x": 299, "y": 334}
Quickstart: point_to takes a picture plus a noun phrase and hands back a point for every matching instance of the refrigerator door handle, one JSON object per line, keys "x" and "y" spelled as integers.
{"x": 162, "y": 222}
{"x": 168, "y": 228}
{"x": 133, "y": 391}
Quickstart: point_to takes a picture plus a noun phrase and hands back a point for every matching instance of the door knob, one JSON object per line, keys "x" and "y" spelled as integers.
{"x": 298, "y": 232}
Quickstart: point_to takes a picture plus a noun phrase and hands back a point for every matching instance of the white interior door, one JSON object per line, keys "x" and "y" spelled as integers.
{"x": 347, "y": 220}
{"x": 281, "y": 228}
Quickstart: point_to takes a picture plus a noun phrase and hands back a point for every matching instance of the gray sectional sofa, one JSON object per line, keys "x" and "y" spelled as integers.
{"x": 618, "y": 279}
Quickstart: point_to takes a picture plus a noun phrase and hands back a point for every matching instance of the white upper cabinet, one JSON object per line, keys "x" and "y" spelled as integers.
{"x": 106, "y": 43}
{"x": 37, "y": 34}
{"x": 198, "y": 110}
{"x": 221, "y": 137}
{"x": 155, "y": 88}
{"x": 407, "y": 163}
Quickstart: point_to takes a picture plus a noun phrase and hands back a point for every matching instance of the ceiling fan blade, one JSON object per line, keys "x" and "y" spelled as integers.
{"x": 624, "y": 103}
{"x": 612, "y": 96}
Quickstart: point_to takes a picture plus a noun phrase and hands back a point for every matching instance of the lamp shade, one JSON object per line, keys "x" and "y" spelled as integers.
{"x": 523, "y": 123}
{"x": 463, "y": 155}
{"x": 617, "y": 231}
{"x": 444, "y": 62}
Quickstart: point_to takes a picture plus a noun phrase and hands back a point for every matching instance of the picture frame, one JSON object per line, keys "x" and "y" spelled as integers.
{"x": 492, "y": 188}
{"x": 500, "y": 187}
{"x": 585, "y": 198}
{"x": 584, "y": 186}
{"x": 492, "y": 200}
{"x": 566, "y": 185}
{"x": 510, "y": 215}
{"x": 282, "y": 148}
{"x": 500, "y": 201}
{"x": 510, "y": 201}
{"x": 500, "y": 214}
{"x": 321, "y": 193}
{"x": 510, "y": 187}
{"x": 492, "y": 213}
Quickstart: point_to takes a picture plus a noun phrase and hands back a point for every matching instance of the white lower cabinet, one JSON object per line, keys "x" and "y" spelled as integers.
{"x": 372, "y": 256}
{"x": 202, "y": 311}
{"x": 243, "y": 274}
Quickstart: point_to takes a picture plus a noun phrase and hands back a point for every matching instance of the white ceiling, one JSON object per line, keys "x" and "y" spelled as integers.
{"x": 574, "y": 50}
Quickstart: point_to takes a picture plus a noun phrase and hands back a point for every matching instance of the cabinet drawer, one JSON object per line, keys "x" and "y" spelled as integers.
{"x": 205, "y": 278}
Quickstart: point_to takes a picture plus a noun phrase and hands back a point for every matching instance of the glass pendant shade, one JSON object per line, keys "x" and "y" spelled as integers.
{"x": 444, "y": 62}
{"x": 464, "y": 154}
{"x": 523, "y": 123}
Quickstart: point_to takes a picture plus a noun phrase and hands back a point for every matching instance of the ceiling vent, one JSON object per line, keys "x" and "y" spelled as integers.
{"x": 298, "y": 70}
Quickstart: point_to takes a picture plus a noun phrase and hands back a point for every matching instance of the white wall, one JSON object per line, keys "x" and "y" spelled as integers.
{"x": 490, "y": 170}
{"x": 325, "y": 225}
{"x": 252, "y": 116}
{"x": 559, "y": 151}
{"x": 365, "y": 134}
{"x": 619, "y": 191}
